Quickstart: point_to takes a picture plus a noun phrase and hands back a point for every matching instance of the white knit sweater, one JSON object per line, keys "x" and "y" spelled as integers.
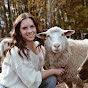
{"x": 22, "y": 73}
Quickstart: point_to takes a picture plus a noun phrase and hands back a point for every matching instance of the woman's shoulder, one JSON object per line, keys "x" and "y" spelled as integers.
{"x": 14, "y": 49}
{"x": 12, "y": 56}
{"x": 15, "y": 56}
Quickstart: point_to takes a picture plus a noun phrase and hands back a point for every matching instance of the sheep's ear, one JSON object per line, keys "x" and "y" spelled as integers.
{"x": 69, "y": 32}
{"x": 41, "y": 35}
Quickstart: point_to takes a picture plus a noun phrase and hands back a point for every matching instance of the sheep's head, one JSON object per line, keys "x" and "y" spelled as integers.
{"x": 55, "y": 38}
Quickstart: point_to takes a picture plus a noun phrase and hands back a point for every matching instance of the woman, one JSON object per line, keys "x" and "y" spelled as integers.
{"x": 23, "y": 61}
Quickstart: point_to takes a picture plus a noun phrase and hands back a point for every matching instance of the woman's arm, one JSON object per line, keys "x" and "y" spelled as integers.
{"x": 57, "y": 72}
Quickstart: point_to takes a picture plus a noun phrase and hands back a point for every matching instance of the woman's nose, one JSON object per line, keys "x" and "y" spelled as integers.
{"x": 29, "y": 29}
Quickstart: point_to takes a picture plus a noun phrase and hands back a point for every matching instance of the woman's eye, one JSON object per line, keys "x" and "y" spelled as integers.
{"x": 24, "y": 27}
{"x": 48, "y": 36}
{"x": 32, "y": 26}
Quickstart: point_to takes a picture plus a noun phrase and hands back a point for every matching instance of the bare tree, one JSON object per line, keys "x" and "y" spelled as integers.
{"x": 5, "y": 17}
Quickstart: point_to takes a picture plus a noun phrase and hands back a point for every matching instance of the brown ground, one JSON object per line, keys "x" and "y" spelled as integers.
{"x": 63, "y": 86}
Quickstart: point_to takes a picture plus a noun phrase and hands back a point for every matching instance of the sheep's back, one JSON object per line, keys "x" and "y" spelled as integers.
{"x": 78, "y": 54}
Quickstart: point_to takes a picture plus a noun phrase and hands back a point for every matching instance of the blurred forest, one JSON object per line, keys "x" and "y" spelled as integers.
{"x": 67, "y": 14}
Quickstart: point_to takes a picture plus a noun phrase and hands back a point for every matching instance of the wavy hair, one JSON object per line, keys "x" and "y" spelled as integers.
{"x": 17, "y": 39}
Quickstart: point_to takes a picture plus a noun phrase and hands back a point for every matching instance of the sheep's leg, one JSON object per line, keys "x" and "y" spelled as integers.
{"x": 68, "y": 84}
{"x": 79, "y": 86}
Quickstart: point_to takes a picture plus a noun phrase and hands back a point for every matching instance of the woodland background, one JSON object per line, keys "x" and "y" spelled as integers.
{"x": 67, "y": 14}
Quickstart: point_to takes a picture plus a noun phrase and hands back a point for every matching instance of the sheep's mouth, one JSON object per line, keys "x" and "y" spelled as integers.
{"x": 63, "y": 67}
{"x": 56, "y": 51}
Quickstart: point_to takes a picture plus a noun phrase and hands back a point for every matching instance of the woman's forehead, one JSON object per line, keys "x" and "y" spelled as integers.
{"x": 26, "y": 22}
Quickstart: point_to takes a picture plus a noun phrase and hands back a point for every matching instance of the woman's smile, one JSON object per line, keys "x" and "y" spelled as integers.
{"x": 28, "y": 30}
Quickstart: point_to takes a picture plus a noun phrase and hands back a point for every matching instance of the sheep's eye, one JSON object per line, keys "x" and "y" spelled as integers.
{"x": 48, "y": 36}
{"x": 63, "y": 34}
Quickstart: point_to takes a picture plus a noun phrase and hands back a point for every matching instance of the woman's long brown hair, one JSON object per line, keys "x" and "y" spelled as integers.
{"x": 17, "y": 39}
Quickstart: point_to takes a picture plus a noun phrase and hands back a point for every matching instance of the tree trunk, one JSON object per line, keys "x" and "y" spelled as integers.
{"x": 84, "y": 2}
{"x": 9, "y": 11}
{"x": 49, "y": 14}
{"x": 5, "y": 18}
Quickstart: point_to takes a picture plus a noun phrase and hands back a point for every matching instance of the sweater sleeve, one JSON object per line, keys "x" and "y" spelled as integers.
{"x": 28, "y": 75}
{"x": 25, "y": 70}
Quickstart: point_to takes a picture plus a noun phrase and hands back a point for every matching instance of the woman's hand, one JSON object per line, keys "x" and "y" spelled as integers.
{"x": 49, "y": 72}
{"x": 59, "y": 72}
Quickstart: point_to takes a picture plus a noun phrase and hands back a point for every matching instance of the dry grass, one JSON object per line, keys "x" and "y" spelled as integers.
{"x": 63, "y": 86}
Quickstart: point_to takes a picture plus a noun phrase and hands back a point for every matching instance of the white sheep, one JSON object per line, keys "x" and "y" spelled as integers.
{"x": 4, "y": 45}
{"x": 64, "y": 52}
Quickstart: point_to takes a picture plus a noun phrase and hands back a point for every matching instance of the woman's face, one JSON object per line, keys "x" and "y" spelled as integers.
{"x": 28, "y": 30}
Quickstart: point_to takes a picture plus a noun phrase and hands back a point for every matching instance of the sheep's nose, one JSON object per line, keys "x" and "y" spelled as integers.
{"x": 56, "y": 45}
